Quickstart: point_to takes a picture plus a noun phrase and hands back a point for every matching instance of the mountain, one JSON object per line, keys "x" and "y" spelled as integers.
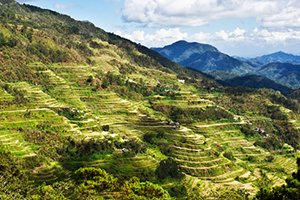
{"x": 275, "y": 57}
{"x": 208, "y": 59}
{"x": 181, "y": 51}
{"x": 86, "y": 114}
{"x": 284, "y": 73}
{"x": 205, "y": 58}
{"x": 255, "y": 81}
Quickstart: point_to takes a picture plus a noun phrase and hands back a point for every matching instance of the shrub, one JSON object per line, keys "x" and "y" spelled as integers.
{"x": 251, "y": 158}
{"x": 10, "y": 42}
{"x": 48, "y": 192}
{"x": 46, "y": 53}
{"x": 70, "y": 113}
{"x": 134, "y": 189}
{"x": 269, "y": 158}
{"x": 149, "y": 137}
{"x": 229, "y": 155}
{"x": 248, "y": 131}
{"x": 168, "y": 168}
{"x": 95, "y": 179}
{"x": 291, "y": 190}
{"x": 134, "y": 145}
{"x": 105, "y": 127}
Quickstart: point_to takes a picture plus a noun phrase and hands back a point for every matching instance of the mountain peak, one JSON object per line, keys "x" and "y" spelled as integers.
{"x": 182, "y": 50}
{"x": 279, "y": 56}
{"x": 186, "y": 44}
{"x": 202, "y": 57}
{"x": 280, "y": 53}
{"x": 180, "y": 42}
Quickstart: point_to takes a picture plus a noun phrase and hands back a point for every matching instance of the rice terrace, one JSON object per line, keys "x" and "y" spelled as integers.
{"x": 88, "y": 114}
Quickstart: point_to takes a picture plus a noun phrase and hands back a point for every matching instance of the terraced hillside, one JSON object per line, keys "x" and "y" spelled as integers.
{"x": 217, "y": 153}
{"x": 76, "y": 103}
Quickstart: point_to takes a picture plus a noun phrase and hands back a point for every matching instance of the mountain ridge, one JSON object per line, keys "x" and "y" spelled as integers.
{"x": 278, "y": 56}
{"x": 285, "y": 73}
{"x": 256, "y": 81}
{"x": 203, "y": 57}
{"x": 184, "y": 49}
{"x": 210, "y": 60}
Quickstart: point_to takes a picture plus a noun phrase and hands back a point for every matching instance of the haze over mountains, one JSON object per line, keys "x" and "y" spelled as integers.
{"x": 274, "y": 57}
{"x": 279, "y": 67}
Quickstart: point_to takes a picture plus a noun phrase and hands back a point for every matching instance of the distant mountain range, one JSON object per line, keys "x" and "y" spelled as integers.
{"x": 284, "y": 73}
{"x": 279, "y": 56}
{"x": 277, "y": 70}
{"x": 255, "y": 81}
{"x": 205, "y": 58}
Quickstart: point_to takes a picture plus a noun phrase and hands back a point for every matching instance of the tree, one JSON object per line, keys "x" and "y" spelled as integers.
{"x": 289, "y": 191}
{"x": 105, "y": 127}
{"x": 95, "y": 180}
{"x": 105, "y": 83}
{"x": 46, "y": 192}
{"x": 134, "y": 189}
{"x": 168, "y": 168}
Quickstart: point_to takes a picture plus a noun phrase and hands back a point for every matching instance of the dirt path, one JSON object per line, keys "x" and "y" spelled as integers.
{"x": 24, "y": 110}
{"x": 220, "y": 124}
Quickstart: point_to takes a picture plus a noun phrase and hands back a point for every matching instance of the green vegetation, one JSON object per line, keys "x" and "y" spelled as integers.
{"x": 85, "y": 114}
{"x": 289, "y": 191}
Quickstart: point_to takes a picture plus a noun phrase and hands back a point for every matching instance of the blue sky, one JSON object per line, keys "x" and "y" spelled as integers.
{"x": 236, "y": 27}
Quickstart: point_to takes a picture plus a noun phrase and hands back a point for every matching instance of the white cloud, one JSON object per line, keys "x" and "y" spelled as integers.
{"x": 257, "y": 41}
{"x": 159, "y": 37}
{"x": 288, "y": 17}
{"x": 270, "y": 13}
{"x": 259, "y": 37}
{"x": 202, "y": 37}
{"x": 263, "y": 36}
{"x": 278, "y": 36}
{"x": 237, "y": 34}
